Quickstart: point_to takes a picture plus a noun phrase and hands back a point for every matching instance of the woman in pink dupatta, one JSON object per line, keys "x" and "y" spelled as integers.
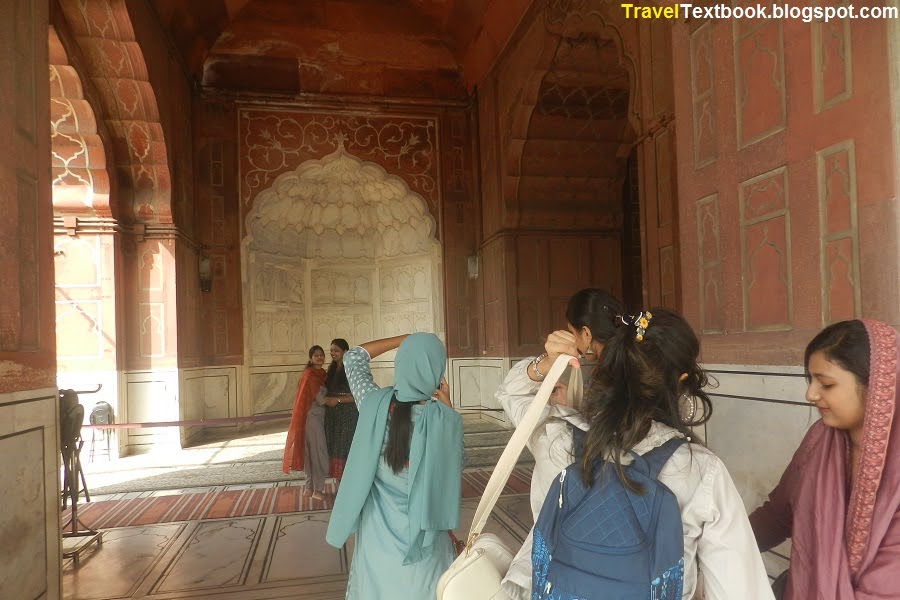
{"x": 838, "y": 499}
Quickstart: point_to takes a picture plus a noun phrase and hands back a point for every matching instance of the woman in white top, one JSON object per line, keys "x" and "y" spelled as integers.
{"x": 647, "y": 373}
{"x": 591, "y": 319}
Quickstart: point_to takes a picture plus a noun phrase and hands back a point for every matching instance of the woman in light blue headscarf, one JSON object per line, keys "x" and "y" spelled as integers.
{"x": 400, "y": 493}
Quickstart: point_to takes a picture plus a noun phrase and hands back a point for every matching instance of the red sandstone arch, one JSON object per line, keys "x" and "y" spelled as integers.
{"x": 103, "y": 31}
{"x": 81, "y": 182}
{"x": 573, "y": 19}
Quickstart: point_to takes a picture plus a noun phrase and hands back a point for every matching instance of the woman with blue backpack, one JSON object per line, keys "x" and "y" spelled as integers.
{"x": 645, "y": 510}
{"x": 591, "y": 322}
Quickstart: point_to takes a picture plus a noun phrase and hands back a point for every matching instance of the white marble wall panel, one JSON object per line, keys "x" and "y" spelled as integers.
{"x": 217, "y": 555}
{"x": 29, "y": 472}
{"x": 298, "y": 549}
{"x": 118, "y": 568}
{"x": 759, "y": 419}
{"x": 151, "y": 396}
{"x": 209, "y": 393}
{"x": 474, "y": 381}
{"x": 273, "y": 389}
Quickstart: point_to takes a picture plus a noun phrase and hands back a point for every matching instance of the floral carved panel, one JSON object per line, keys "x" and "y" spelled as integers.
{"x": 274, "y": 142}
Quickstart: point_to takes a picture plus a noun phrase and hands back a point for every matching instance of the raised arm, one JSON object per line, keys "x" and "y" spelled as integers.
{"x": 377, "y": 347}
{"x": 356, "y": 365}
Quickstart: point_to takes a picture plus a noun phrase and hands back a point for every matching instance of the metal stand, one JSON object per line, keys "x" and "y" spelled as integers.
{"x": 71, "y": 418}
{"x": 84, "y": 535}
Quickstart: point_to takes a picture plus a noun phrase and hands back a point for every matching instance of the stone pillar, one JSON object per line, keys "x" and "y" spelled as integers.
{"x": 29, "y": 437}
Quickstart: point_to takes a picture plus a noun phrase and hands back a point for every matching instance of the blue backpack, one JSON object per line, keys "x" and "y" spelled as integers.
{"x": 607, "y": 542}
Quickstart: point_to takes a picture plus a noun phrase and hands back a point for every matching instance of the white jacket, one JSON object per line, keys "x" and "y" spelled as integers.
{"x": 718, "y": 540}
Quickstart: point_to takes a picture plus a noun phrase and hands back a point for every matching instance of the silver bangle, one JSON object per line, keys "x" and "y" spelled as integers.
{"x": 534, "y": 366}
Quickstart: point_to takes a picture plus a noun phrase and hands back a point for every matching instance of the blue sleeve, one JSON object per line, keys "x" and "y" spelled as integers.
{"x": 359, "y": 375}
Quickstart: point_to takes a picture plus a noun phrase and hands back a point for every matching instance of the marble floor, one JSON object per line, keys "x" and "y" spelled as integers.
{"x": 265, "y": 557}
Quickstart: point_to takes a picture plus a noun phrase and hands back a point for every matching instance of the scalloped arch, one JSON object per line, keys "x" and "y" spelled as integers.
{"x": 116, "y": 66}
{"x": 81, "y": 182}
{"x": 340, "y": 206}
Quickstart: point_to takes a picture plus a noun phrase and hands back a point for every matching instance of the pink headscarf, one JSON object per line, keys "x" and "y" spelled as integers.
{"x": 850, "y": 550}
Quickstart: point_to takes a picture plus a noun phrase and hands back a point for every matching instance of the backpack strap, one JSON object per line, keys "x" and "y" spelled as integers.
{"x": 659, "y": 456}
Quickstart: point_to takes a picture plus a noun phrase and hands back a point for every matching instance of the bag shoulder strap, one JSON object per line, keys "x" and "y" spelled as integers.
{"x": 659, "y": 456}
{"x": 516, "y": 444}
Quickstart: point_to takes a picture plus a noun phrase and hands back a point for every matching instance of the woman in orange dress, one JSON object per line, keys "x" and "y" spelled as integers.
{"x": 297, "y": 455}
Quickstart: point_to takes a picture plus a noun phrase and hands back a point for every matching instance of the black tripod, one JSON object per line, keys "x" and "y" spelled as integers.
{"x": 71, "y": 417}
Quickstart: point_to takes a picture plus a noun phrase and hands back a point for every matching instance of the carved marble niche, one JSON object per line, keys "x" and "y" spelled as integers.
{"x": 336, "y": 248}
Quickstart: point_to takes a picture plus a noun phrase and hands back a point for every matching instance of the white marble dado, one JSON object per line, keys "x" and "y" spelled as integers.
{"x": 273, "y": 389}
{"x": 759, "y": 419}
{"x": 474, "y": 381}
{"x": 772, "y": 383}
{"x": 207, "y": 393}
{"x": 151, "y": 396}
{"x": 29, "y": 476}
{"x": 24, "y": 531}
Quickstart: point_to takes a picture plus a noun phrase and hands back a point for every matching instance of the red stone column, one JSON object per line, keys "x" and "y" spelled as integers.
{"x": 29, "y": 435}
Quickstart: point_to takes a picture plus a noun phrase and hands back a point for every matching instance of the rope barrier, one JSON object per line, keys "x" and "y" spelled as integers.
{"x": 226, "y": 421}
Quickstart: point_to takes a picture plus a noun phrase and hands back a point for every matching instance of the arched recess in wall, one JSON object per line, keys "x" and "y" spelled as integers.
{"x": 573, "y": 126}
{"x": 103, "y": 31}
{"x": 336, "y": 248}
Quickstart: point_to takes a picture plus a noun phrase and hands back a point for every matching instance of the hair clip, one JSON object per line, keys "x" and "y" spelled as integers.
{"x": 641, "y": 323}
{"x": 622, "y": 320}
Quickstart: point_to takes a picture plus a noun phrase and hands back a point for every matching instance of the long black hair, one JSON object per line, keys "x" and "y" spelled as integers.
{"x": 637, "y": 382}
{"x": 343, "y": 345}
{"x": 846, "y": 344}
{"x": 312, "y": 350}
{"x": 595, "y": 309}
{"x": 400, "y": 428}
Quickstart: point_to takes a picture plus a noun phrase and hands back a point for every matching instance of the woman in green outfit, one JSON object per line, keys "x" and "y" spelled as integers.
{"x": 400, "y": 493}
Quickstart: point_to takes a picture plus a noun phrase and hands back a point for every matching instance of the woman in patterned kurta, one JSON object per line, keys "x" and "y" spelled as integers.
{"x": 400, "y": 505}
{"x": 341, "y": 413}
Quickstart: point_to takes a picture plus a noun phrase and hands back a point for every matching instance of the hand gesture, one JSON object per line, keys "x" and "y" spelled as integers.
{"x": 442, "y": 394}
{"x": 560, "y": 342}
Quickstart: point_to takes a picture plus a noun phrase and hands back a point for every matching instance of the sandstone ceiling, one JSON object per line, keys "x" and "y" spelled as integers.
{"x": 414, "y": 48}
{"x": 573, "y": 157}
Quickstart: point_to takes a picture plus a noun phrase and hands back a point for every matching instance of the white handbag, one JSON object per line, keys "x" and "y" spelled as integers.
{"x": 477, "y": 572}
